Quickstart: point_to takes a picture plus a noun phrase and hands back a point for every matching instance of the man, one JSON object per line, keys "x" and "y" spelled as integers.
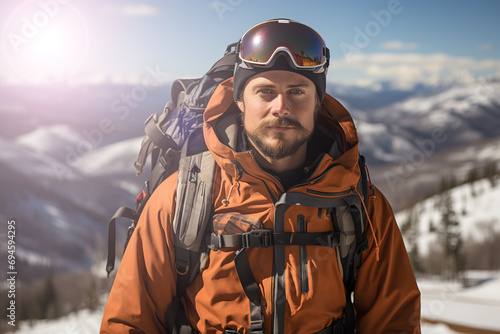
{"x": 293, "y": 139}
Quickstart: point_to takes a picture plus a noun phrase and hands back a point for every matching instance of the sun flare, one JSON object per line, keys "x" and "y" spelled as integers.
{"x": 46, "y": 43}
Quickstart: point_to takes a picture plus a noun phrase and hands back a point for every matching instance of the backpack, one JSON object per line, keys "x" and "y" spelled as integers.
{"x": 174, "y": 141}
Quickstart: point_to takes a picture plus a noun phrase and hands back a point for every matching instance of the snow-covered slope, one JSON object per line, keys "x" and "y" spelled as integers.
{"x": 419, "y": 173}
{"x": 458, "y": 100}
{"x": 31, "y": 162}
{"x": 476, "y": 207}
{"x": 114, "y": 164}
{"x": 473, "y": 310}
{"x": 378, "y": 145}
{"x": 62, "y": 212}
{"x": 442, "y": 302}
{"x": 112, "y": 159}
{"x": 458, "y": 116}
{"x": 51, "y": 140}
{"x": 69, "y": 153}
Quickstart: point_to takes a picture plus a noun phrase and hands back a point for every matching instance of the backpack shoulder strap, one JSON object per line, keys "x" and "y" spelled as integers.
{"x": 193, "y": 211}
{"x": 350, "y": 270}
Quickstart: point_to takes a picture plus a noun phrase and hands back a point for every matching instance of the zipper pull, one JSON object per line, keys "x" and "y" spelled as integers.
{"x": 238, "y": 173}
{"x": 193, "y": 174}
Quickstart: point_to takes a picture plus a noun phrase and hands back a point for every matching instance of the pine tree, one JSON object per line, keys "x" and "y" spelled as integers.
{"x": 491, "y": 172}
{"x": 432, "y": 227}
{"x": 450, "y": 237}
{"x": 48, "y": 299}
{"x": 472, "y": 177}
{"x": 410, "y": 229}
{"x": 92, "y": 295}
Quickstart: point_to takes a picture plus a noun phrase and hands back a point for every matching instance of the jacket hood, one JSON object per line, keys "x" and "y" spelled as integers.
{"x": 221, "y": 127}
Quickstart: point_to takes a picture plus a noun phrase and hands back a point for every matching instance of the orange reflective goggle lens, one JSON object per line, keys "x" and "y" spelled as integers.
{"x": 305, "y": 46}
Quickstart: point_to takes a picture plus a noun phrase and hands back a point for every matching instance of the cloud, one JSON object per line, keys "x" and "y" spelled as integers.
{"x": 399, "y": 45}
{"x": 136, "y": 10}
{"x": 409, "y": 69}
{"x": 485, "y": 47}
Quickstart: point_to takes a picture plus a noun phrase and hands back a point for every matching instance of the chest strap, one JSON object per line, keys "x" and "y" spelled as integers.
{"x": 268, "y": 238}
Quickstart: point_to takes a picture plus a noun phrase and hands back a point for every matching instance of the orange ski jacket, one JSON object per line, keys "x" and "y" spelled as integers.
{"x": 387, "y": 299}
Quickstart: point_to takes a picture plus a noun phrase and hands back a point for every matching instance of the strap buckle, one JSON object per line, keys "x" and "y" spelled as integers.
{"x": 333, "y": 239}
{"x": 257, "y": 238}
{"x": 257, "y": 327}
{"x": 214, "y": 241}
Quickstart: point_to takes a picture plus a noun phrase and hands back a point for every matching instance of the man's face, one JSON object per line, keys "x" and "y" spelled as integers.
{"x": 279, "y": 110}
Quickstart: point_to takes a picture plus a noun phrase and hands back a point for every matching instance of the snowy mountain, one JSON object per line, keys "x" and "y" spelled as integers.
{"x": 378, "y": 146}
{"x": 453, "y": 117}
{"x": 62, "y": 185}
{"x": 440, "y": 109}
{"x": 61, "y": 210}
{"x": 25, "y": 109}
{"x": 419, "y": 174}
{"x": 51, "y": 140}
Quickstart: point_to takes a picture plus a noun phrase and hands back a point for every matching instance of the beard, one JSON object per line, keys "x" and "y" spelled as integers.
{"x": 275, "y": 145}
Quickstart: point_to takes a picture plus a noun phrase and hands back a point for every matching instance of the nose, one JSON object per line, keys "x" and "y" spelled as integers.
{"x": 280, "y": 108}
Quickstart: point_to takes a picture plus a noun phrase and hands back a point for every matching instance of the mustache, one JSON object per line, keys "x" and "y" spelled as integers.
{"x": 282, "y": 122}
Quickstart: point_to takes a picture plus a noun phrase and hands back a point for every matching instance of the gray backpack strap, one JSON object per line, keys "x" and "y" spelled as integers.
{"x": 193, "y": 210}
{"x": 192, "y": 213}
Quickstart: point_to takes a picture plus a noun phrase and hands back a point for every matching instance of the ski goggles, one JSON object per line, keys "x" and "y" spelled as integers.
{"x": 305, "y": 47}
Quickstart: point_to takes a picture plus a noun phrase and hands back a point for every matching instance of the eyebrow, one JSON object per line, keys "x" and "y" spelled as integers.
{"x": 301, "y": 84}
{"x": 268, "y": 85}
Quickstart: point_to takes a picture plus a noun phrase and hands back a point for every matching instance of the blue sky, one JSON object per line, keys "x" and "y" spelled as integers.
{"x": 404, "y": 41}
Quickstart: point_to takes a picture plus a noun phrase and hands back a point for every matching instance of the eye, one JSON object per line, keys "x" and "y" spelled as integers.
{"x": 265, "y": 91}
{"x": 296, "y": 91}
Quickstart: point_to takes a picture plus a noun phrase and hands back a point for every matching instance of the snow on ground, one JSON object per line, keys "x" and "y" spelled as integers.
{"x": 442, "y": 302}
{"x": 437, "y": 329}
{"x": 85, "y": 322}
{"x": 475, "y": 307}
{"x": 81, "y": 322}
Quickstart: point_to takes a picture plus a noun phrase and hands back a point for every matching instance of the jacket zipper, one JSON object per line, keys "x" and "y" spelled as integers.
{"x": 242, "y": 170}
{"x": 317, "y": 177}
